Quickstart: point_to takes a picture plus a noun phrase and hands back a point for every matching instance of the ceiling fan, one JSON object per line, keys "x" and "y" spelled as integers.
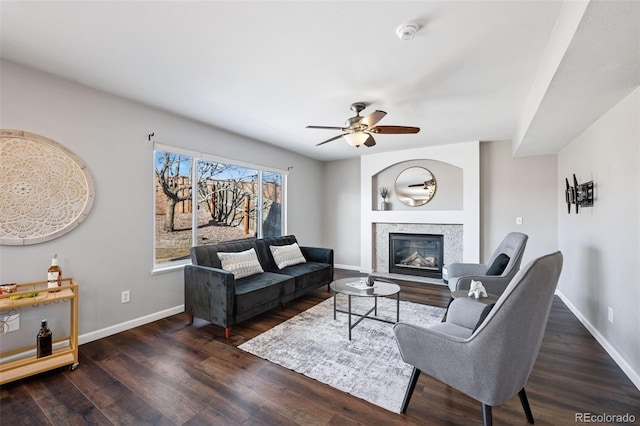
{"x": 358, "y": 130}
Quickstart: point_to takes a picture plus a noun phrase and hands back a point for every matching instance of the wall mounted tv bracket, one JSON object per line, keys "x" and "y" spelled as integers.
{"x": 579, "y": 194}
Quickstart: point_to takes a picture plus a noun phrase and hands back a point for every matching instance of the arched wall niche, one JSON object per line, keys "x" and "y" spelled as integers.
{"x": 449, "y": 178}
{"x": 464, "y": 156}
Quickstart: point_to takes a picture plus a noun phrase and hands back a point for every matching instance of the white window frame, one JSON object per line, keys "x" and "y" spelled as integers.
{"x": 199, "y": 156}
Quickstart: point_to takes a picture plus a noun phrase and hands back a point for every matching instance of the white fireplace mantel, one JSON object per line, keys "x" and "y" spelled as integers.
{"x": 464, "y": 155}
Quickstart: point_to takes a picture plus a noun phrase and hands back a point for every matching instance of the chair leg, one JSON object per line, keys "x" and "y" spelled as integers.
{"x": 227, "y": 332}
{"x": 487, "y": 419}
{"x": 412, "y": 385}
{"x": 190, "y": 319}
{"x": 525, "y": 405}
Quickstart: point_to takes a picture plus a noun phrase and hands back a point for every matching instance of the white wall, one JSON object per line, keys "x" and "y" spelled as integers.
{"x": 111, "y": 250}
{"x": 601, "y": 244}
{"x": 517, "y": 187}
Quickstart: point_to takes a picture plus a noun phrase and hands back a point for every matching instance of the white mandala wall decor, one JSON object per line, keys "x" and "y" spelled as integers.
{"x": 45, "y": 189}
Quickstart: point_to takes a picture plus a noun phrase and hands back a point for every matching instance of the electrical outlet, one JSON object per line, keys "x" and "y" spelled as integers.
{"x": 126, "y": 296}
{"x": 10, "y": 323}
{"x": 610, "y": 315}
{"x": 519, "y": 220}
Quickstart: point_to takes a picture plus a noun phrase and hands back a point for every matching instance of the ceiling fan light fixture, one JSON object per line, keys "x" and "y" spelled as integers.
{"x": 356, "y": 138}
{"x": 359, "y": 130}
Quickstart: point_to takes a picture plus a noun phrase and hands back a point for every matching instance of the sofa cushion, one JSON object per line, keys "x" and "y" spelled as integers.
{"x": 309, "y": 274}
{"x": 499, "y": 264}
{"x": 261, "y": 289}
{"x": 287, "y": 255}
{"x": 241, "y": 264}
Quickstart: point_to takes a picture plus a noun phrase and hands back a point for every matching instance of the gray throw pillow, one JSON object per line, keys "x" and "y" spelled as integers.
{"x": 499, "y": 264}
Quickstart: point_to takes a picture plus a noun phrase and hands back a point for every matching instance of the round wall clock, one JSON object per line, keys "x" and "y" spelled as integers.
{"x": 45, "y": 190}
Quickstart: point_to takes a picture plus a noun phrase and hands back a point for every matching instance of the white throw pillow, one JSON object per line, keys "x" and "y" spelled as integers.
{"x": 241, "y": 264}
{"x": 287, "y": 255}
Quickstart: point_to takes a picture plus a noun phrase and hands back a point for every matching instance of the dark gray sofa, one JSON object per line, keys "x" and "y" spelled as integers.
{"x": 213, "y": 294}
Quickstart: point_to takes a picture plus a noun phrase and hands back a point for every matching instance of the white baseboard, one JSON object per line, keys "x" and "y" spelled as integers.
{"x": 114, "y": 329}
{"x": 349, "y": 267}
{"x": 617, "y": 358}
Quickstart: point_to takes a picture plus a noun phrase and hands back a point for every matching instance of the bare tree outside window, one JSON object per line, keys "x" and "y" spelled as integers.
{"x": 227, "y": 196}
{"x": 173, "y": 205}
{"x": 227, "y": 200}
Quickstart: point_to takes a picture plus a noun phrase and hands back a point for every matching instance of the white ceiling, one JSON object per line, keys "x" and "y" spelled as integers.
{"x": 267, "y": 69}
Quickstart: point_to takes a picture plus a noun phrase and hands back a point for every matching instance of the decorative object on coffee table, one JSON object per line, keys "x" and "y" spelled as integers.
{"x": 46, "y": 190}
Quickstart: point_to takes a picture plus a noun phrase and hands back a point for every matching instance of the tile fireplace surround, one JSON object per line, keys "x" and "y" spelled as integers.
{"x": 452, "y": 240}
{"x": 461, "y": 228}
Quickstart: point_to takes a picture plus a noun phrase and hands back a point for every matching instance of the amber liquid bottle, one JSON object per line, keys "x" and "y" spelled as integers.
{"x": 44, "y": 341}
{"x": 54, "y": 274}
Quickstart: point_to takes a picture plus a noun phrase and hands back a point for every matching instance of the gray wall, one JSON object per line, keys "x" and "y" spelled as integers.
{"x": 517, "y": 187}
{"x": 341, "y": 211}
{"x": 601, "y": 243}
{"x": 111, "y": 250}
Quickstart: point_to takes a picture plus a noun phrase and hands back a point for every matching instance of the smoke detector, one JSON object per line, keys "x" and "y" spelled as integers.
{"x": 407, "y": 31}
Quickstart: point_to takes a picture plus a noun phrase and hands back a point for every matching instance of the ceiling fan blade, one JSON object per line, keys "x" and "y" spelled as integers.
{"x": 326, "y": 127}
{"x": 331, "y": 139}
{"x": 371, "y": 119}
{"x": 370, "y": 142}
{"x": 388, "y": 130}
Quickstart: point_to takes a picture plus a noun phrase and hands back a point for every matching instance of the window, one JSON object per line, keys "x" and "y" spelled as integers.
{"x": 203, "y": 201}
{"x": 271, "y": 204}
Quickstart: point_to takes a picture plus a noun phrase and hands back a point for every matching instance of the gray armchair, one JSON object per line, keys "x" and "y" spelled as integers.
{"x": 490, "y": 361}
{"x": 494, "y": 274}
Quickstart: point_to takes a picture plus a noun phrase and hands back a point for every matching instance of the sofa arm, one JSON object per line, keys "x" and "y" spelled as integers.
{"x": 318, "y": 254}
{"x": 209, "y": 293}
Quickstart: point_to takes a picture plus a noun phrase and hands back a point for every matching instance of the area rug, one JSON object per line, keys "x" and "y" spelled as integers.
{"x": 368, "y": 367}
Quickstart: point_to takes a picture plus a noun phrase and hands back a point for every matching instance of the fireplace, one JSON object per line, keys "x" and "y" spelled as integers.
{"x": 416, "y": 254}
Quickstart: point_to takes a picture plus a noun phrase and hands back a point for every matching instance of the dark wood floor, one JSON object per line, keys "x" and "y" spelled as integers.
{"x": 168, "y": 373}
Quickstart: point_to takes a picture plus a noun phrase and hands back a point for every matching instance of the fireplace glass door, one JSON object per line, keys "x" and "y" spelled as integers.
{"x": 416, "y": 254}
